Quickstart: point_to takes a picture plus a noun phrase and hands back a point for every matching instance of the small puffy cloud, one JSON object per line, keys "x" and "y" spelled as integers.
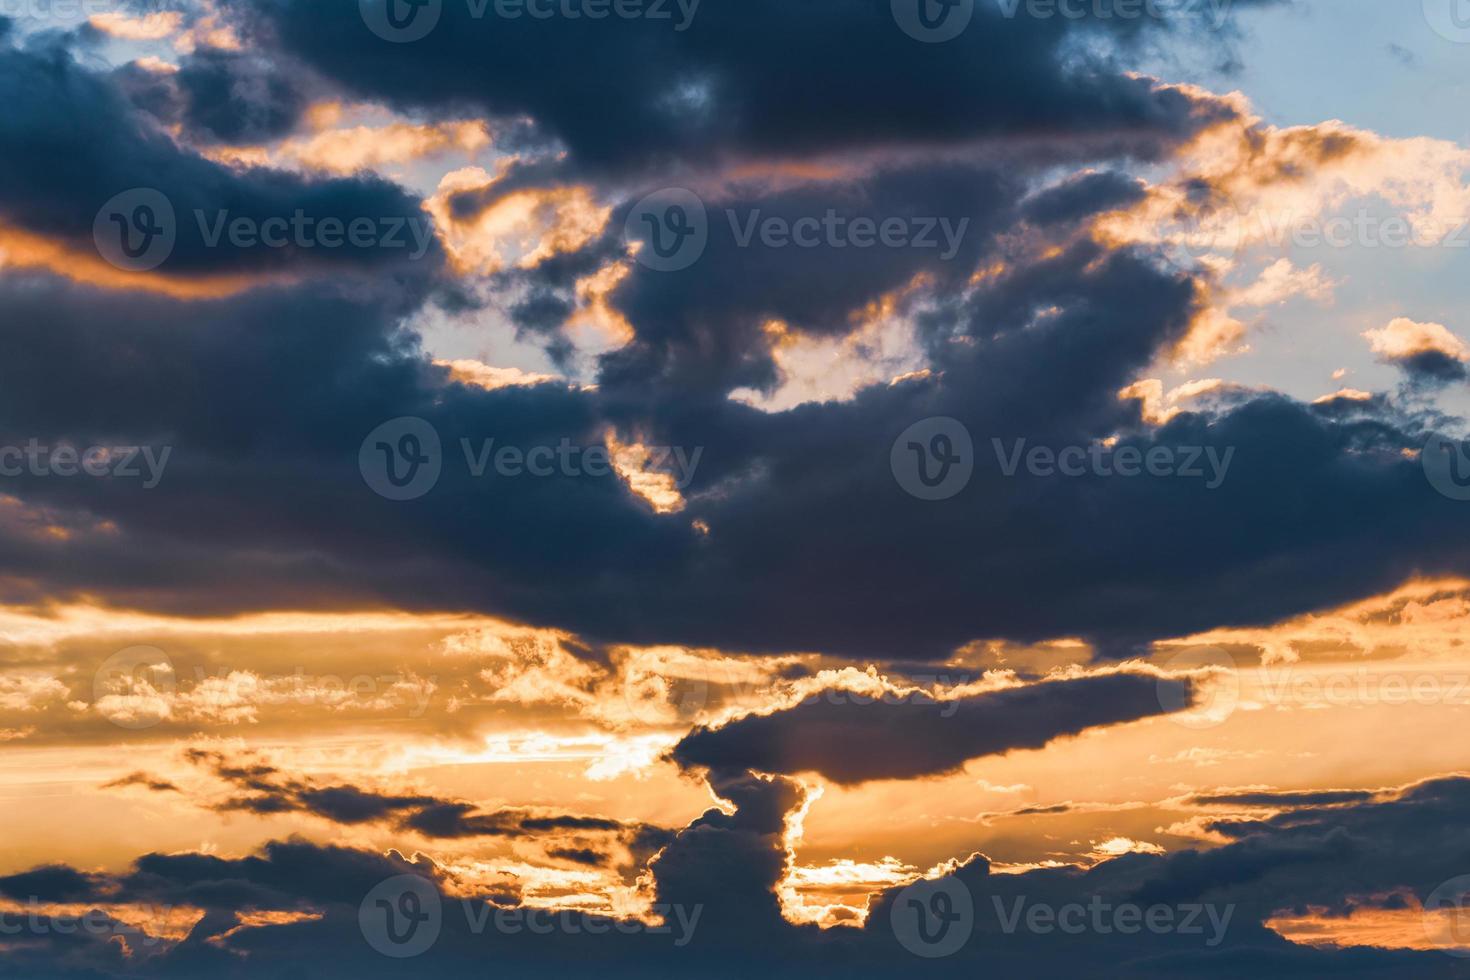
{"x": 1427, "y": 351}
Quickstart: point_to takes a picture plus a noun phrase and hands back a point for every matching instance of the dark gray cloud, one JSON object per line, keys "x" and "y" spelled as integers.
{"x": 72, "y": 141}
{"x": 849, "y": 739}
{"x": 848, "y": 77}
{"x": 144, "y": 780}
{"x": 272, "y": 791}
{"x": 266, "y": 397}
{"x": 220, "y": 96}
{"x": 1283, "y": 798}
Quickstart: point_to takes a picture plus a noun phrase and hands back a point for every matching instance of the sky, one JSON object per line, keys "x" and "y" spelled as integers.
{"x": 781, "y": 487}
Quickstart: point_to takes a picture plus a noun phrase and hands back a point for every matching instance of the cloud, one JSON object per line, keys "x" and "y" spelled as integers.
{"x": 144, "y": 780}
{"x": 728, "y": 863}
{"x": 54, "y": 181}
{"x": 1282, "y": 798}
{"x": 274, "y": 792}
{"x": 701, "y": 88}
{"x": 849, "y": 740}
{"x": 1425, "y": 351}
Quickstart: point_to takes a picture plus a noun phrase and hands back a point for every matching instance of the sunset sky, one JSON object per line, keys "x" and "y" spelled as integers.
{"x": 727, "y": 488}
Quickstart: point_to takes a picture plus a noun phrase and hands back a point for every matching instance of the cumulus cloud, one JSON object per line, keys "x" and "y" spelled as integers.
{"x": 1426, "y": 351}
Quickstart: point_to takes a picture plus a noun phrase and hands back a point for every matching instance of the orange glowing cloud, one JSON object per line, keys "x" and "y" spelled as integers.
{"x": 519, "y": 228}
{"x": 25, "y": 250}
{"x": 351, "y": 149}
{"x": 1404, "y": 338}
